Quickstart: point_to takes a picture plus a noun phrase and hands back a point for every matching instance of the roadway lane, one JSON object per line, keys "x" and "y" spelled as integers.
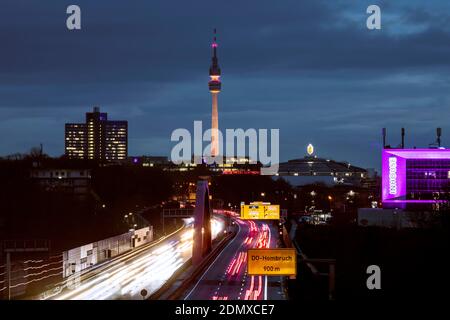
{"x": 227, "y": 279}
{"x": 148, "y": 267}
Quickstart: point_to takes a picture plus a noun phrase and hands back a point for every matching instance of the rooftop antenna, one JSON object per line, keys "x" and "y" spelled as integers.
{"x": 403, "y": 138}
{"x": 437, "y": 143}
{"x": 383, "y": 132}
{"x": 438, "y": 133}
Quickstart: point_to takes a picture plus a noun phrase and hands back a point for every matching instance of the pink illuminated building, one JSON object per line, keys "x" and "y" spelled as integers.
{"x": 415, "y": 176}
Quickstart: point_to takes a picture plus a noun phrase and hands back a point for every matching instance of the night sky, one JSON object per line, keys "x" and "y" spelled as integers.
{"x": 310, "y": 68}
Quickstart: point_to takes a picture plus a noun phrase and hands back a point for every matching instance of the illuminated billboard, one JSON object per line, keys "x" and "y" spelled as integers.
{"x": 260, "y": 211}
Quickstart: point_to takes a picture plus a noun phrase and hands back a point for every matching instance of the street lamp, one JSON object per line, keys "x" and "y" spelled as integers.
{"x": 313, "y": 194}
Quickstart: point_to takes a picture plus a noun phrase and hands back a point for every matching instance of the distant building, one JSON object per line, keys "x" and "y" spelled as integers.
{"x": 149, "y": 161}
{"x": 76, "y": 140}
{"x": 97, "y": 139}
{"x": 392, "y": 218}
{"x": 76, "y": 182}
{"x": 80, "y": 258}
{"x": 236, "y": 165}
{"x": 311, "y": 169}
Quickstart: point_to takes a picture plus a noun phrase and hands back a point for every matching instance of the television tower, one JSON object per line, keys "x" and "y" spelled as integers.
{"x": 214, "y": 88}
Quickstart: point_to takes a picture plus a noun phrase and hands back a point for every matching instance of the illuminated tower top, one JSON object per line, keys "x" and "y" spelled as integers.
{"x": 214, "y": 70}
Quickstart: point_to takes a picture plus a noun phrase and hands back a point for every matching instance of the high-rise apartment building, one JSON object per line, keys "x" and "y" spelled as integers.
{"x": 97, "y": 139}
{"x": 75, "y": 140}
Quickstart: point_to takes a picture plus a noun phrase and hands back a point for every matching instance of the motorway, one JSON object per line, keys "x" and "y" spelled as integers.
{"x": 227, "y": 279}
{"x": 147, "y": 267}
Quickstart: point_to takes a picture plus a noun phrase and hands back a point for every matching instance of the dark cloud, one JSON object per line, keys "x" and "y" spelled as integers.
{"x": 310, "y": 68}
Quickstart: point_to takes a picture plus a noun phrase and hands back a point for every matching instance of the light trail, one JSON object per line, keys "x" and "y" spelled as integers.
{"x": 147, "y": 269}
{"x": 262, "y": 241}
{"x": 41, "y": 266}
{"x": 226, "y": 277}
{"x": 256, "y": 235}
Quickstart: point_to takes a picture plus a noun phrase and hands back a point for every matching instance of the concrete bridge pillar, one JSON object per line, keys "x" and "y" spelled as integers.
{"x": 202, "y": 224}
